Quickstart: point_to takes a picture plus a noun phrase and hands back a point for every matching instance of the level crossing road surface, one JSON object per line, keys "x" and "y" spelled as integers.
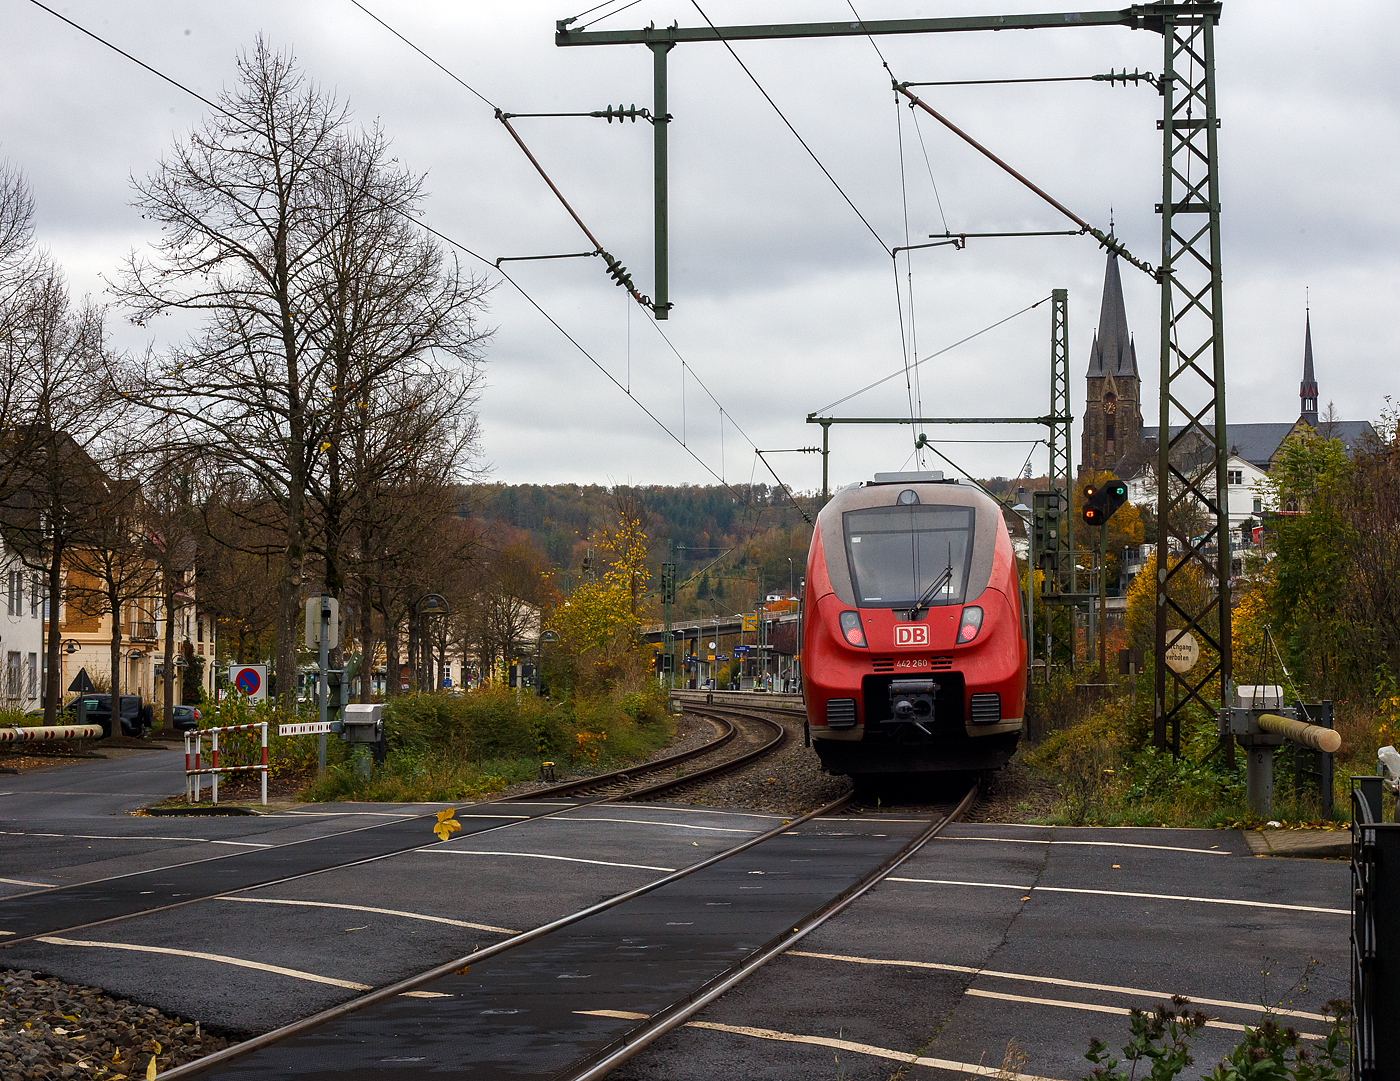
{"x": 1042, "y": 935}
{"x": 989, "y": 933}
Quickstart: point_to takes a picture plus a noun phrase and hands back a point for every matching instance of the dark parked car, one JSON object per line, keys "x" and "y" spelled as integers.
{"x": 136, "y": 716}
{"x": 186, "y": 718}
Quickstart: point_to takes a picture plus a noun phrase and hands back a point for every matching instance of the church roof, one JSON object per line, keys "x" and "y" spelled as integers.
{"x": 1113, "y": 352}
{"x": 1308, "y": 376}
{"x": 1256, "y": 443}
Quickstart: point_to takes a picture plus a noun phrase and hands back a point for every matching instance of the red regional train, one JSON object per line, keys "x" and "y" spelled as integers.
{"x": 913, "y": 652}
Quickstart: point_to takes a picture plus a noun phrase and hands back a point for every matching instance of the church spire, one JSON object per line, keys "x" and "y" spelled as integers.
{"x": 1307, "y": 389}
{"x": 1113, "y": 352}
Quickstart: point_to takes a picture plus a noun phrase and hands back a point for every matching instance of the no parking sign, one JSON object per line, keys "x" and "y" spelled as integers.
{"x": 249, "y": 680}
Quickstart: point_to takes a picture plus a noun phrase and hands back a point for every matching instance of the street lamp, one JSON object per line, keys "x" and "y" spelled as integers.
{"x": 430, "y": 604}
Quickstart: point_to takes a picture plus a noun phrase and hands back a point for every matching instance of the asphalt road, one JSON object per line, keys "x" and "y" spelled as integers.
{"x": 994, "y": 933}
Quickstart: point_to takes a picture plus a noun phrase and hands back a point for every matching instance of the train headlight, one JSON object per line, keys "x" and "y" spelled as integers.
{"x": 851, "y": 630}
{"x": 971, "y": 624}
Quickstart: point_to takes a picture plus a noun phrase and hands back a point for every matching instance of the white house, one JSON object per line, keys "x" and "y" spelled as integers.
{"x": 21, "y": 634}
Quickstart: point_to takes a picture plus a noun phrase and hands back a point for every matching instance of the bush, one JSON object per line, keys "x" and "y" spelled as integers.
{"x": 449, "y": 747}
{"x": 1160, "y": 1041}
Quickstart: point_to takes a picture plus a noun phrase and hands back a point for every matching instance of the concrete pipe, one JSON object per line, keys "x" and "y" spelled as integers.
{"x": 1309, "y": 735}
{"x": 50, "y": 733}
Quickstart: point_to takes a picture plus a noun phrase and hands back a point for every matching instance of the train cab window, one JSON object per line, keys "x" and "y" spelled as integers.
{"x": 898, "y": 554}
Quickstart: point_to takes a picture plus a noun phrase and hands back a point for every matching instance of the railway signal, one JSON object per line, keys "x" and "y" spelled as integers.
{"x": 1100, "y": 503}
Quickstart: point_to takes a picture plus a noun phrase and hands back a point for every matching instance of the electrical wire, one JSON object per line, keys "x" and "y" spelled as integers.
{"x": 652, "y": 321}
{"x": 810, "y": 152}
{"x": 441, "y": 236}
{"x": 918, "y": 130}
{"x": 938, "y": 353}
{"x": 455, "y": 78}
{"x": 608, "y": 15}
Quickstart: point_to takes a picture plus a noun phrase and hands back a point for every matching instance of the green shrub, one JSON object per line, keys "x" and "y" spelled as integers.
{"x": 1160, "y": 1042}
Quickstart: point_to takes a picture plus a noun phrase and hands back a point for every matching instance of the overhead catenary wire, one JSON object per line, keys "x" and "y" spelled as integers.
{"x": 434, "y": 232}
{"x": 788, "y": 124}
{"x": 938, "y": 353}
{"x": 652, "y": 321}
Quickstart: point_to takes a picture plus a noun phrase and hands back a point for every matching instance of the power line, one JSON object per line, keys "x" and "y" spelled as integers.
{"x": 811, "y": 153}
{"x": 455, "y": 78}
{"x": 428, "y": 229}
{"x": 939, "y": 353}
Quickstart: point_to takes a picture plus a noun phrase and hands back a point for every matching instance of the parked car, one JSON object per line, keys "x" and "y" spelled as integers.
{"x": 186, "y": 718}
{"x": 136, "y": 716}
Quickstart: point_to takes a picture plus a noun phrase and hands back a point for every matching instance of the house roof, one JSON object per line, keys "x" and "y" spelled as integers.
{"x": 1256, "y": 443}
{"x": 1113, "y": 351}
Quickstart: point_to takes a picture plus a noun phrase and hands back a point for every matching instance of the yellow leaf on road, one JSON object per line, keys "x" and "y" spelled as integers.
{"x": 151, "y": 1069}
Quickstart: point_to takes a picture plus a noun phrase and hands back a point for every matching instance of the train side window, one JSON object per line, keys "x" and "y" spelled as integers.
{"x": 897, "y": 554}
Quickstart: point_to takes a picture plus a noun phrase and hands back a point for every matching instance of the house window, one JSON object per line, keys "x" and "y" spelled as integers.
{"x": 36, "y": 594}
{"x": 34, "y": 675}
{"x": 1236, "y": 476}
{"x": 16, "y": 594}
{"x": 12, "y": 675}
{"x": 1258, "y": 505}
{"x": 199, "y": 627}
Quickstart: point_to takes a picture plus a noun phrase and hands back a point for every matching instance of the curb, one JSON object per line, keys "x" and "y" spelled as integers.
{"x": 177, "y": 812}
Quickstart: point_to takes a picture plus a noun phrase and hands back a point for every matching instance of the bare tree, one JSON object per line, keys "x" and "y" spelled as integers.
{"x": 325, "y": 311}
{"x": 53, "y": 370}
{"x": 241, "y": 234}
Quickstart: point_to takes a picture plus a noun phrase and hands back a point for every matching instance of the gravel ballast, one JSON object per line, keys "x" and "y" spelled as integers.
{"x": 789, "y": 781}
{"x": 52, "y": 1029}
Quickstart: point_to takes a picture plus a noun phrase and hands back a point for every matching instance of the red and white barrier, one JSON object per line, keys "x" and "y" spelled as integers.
{"x": 194, "y": 757}
{"x": 50, "y": 732}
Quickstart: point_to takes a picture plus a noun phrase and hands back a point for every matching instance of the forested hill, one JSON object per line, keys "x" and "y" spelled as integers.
{"x": 559, "y": 517}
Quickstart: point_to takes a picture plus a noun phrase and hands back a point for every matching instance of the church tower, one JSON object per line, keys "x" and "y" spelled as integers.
{"x": 1113, "y": 409}
{"x": 1307, "y": 389}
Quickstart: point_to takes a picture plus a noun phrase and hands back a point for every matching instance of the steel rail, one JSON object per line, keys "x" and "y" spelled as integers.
{"x": 678, "y": 1013}
{"x": 718, "y": 768}
{"x": 448, "y": 968}
{"x": 617, "y": 776}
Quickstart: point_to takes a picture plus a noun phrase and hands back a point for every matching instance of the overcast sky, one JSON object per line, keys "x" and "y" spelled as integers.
{"x": 783, "y": 300}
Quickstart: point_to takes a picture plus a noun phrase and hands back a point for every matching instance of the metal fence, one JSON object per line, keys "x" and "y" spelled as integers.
{"x": 1375, "y": 935}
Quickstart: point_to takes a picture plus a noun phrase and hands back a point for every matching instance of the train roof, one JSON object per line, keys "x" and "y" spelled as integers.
{"x": 863, "y": 494}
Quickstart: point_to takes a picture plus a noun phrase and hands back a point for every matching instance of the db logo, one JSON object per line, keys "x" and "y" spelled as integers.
{"x": 911, "y": 634}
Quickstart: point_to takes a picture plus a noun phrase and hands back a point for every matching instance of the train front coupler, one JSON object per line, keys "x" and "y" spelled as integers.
{"x": 911, "y": 702}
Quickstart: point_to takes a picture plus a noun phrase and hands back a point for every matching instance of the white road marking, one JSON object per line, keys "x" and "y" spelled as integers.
{"x": 379, "y": 911}
{"x": 243, "y": 844}
{"x": 954, "y": 882}
{"x": 1125, "y": 893}
{"x": 543, "y": 856}
{"x": 646, "y": 822}
{"x": 1096, "y": 844}
{"x": 198, "y": 955}
{"x": 1203, "y": 900}
{"x": 100, "y": 836}
{"x": 975, "y": 1069}
{"x": 346, "y": 814}
{"x": 22, "y": 882}
{"x": 703, "y": 811}
{"x": 1056, "y": 982}
{"x": 1121, "y": 1011}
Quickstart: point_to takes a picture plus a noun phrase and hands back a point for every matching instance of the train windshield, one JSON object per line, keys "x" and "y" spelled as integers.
{"x": 898, "y": 555}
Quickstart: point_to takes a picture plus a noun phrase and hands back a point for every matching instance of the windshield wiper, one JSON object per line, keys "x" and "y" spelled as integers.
{"x": 933, "y": 590}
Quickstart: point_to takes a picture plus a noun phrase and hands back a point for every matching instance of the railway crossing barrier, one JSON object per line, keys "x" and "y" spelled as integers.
{"x": 1261, "y": 723}
{"x": 1375, "y": 926}
{"x": 195, "y": 770}
{"x": 50, "y": 733}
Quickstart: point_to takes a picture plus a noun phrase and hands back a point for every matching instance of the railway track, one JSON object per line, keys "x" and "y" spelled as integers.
{"x": 746, "y": 737}
{"x": 634, "y": 966}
